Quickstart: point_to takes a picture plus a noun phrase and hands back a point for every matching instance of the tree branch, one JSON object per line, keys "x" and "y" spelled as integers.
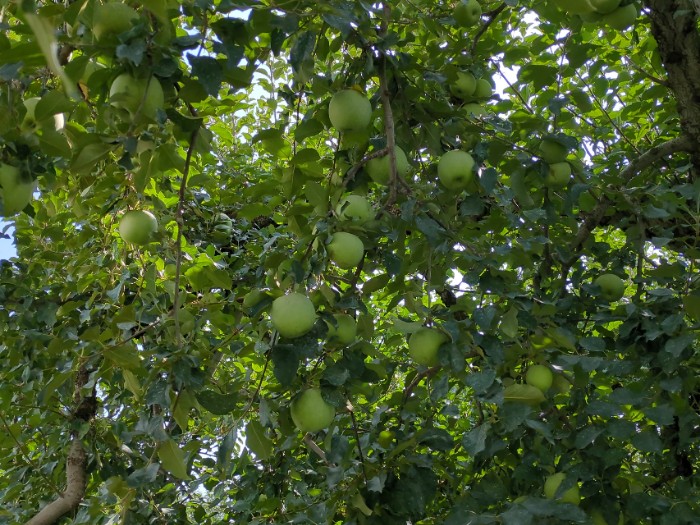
{"x": 75, "y": 488}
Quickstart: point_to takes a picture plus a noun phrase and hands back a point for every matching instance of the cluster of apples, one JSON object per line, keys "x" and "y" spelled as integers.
{"x": 617, "y": 14}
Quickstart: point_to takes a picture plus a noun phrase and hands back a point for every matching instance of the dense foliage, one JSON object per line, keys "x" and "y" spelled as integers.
{"x": 144, "y": 381}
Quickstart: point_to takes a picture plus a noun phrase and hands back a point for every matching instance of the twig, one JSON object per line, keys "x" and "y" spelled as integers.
{"x": 357, "y": 439}
{"x": 492, "y": 17}
{"x": 316, "y": 449}
{"x": 388, "y": 114}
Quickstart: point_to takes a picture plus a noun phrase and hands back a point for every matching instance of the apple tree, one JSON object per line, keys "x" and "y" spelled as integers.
{"x": 413, "y": 262}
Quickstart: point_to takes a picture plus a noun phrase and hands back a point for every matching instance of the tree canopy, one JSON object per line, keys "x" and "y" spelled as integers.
{"x": 288, "y": 261}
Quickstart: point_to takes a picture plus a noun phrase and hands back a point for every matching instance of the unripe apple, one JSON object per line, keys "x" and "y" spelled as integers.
{"x": 354, "y": 208}
{"x": 346, "y": 250}
{"x": 464, "y": 86}
{"x": 142, "y": 96}
{"x": 575, "y": 7}
{"x": 539, "y": 376}
{"x": 552, "y": 152}
{"x": 423, "y": 345}
{"x": 386, "y": 438}
{"x": 310, "y": 412}
{"x": 112, "y": 19}
{"x": 475, "y": 110}
{"x": 137, "y": 226}
{"x": 379, "y": 169}
{"x": 16, "y": 193}
{"x": 551, "y": 485}
{"x": 293, "y": 315}
{"x": 456, "y": 169}
{"x": 558, "y": 175}
{"x": 349, "y": 110}
{"x": 604, "y": 6}
{"x": 612, "y": 288}
{"x": 467, "y": 13}
{"x": 622, "y": 18}
{"x": 484, "y": 89}
{"x": 344, "y": 330}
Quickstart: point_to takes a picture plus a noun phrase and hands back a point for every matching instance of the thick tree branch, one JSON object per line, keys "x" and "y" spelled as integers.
{"x": 75, "y": 488}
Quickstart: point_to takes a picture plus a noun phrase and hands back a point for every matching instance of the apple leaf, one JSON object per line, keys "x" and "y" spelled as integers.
{"x": 527, "y": 394}
{"x": 257, "y": 441}
{"x": 219, "y": 404}
{"x": 172, "y": 459}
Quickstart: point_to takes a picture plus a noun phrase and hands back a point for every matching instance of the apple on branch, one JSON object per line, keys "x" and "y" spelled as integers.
{"x": 467, "y": 13}
{"x": 137, "y": 227}
{"x": 138, "y": 96}
{"x": 379, "y": 168}
{"x": 551, "y": 485}
{"x": 16, "y": 191}
{"x": 456, "y": 169}
{"x": 355, "y": 209}
{"x": 423, "y": 345}
{"x": 293, "y": 315}
{"x": 349, "y": 110}
{"x": 310, "y": 412}
{"x": 343, "y": 329}
{"x": 346, "y": 249}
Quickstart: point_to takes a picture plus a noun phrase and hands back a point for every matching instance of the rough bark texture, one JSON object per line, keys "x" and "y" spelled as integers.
{"x": 674, "y": 24}
{"x": 75, "y": 488}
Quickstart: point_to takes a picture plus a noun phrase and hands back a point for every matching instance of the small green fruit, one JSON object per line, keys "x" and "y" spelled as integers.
{"x": 467, "y": 13}
{"x": 142, "y": 96}
{"x": 552, "y": 152}
{"x": 349, "y": 110}
{"x": 310, "y": 412}
{"x": 423, "y": 345}
{"x": 604, "y": 6}
{"x": 346, "y": 250}
{"x": 475, "y": 110}
{"x": 575, "y": 7}
{"x": 551, "y": 485}
{"x": 137, "y": 226}
{"x": 456, "y": 169}
{"x": 622, "y": 18}
{"x": 558, "y": 175}
{"x": 344, "y": 330}
{"x": 112, "y": 19}
{"x": 293, "y": 315}
{"x": 612, "y": 288}
{"x": 464, "y": 86}
{"x": 484, "y": 89}
{"x": 386, "y": 438}
{"x": 354, "y": 208}
{"x": 379, "y": 170}
{"x": 539, "y": 376}
{"x": 16, "y": 193}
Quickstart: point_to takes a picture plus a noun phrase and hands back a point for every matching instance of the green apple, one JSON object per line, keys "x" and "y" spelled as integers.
{"x": 575, "y": 7}
{"x": 611, "y": 286}
{"x": 467, "y": 13}
{"x": 344, "y": 330}
{"x": 386, "y": 438}
{"x": 552, "y": 151}
{"x": 551, "y": 485}
{"x": 379, "y": 170}
{"x": 349, "y": 110}
{"x": 464, "y": 86}
{"x": 310, "y": 412}
{"x": 423, "y": 345}
{"x": 561, "y": 384}
{"x": 112, "y": 19}
{"x": 16, "y": 193}
{"x": 539, "y": 376}
{"x": 346, "y": 250}
{"x": 293, "y": 315}
{"x": 456, "y": 169}
{"x": 137, "y": 226}
{"x": 598, "y": 519}
{"x": 604, "y": 6}
{"x": 622, "y": 18}
{"x": 354, "y": 208}
{"x": 484, "y": 89}
{"x": 558, "y": 175}
{"x": 139, "y": 96}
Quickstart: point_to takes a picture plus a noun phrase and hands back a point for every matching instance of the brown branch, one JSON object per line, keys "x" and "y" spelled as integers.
{"x": 635, "y": 166}
{"x": 69, "y": 500}
{"x": 492, "y": 17}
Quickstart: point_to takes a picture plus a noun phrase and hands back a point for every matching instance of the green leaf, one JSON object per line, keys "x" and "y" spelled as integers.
{"x": 172, "y": 459}
{"x": 257, "y": 441}
{"x": 526, "y": 394}
{"x": 216, "y": 403}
